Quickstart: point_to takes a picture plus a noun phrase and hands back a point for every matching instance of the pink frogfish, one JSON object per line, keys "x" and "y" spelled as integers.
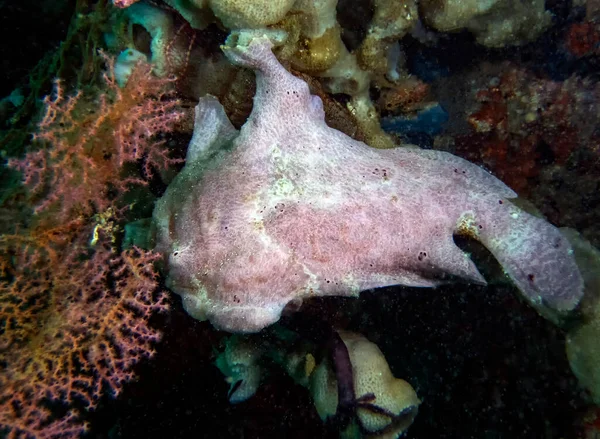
{"x": 289, "y": 208}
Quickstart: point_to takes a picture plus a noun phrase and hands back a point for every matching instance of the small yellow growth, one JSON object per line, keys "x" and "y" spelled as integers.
{"x": 105, "y": 222}
{"x": 391, "y": 21}
{"x": 318, "y": 54}
{"x": 309, "y": 364}
{"x": 367, "y": 119}
{"x": 494, "y": 23}
{"x": 467, "y": 226}
{"x": 259, "y": 225}
{"x": 583, "y": 352}
{"x": 372, "y": 374}
{"x": 241, "y": 14}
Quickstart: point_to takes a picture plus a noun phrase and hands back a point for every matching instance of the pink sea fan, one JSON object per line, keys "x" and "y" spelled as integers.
{"x": 83, "y": 142}
{"x": 72, "y": 331}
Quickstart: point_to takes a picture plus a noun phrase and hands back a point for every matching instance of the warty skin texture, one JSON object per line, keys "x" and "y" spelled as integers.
{"x": 290, "y": 208}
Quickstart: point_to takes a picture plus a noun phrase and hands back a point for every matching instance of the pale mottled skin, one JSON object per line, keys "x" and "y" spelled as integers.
{"x": 291, "y": 208}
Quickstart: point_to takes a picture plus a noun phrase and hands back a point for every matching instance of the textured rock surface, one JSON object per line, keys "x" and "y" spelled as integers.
{"x": 291, "y": 208}
{"x": 494, "y": 23}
